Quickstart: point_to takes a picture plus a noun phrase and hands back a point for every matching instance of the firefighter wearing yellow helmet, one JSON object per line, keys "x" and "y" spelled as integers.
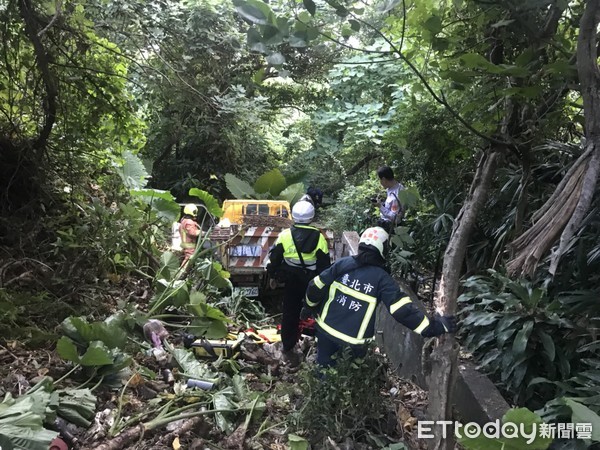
{"x": 345, "y": 298}
{"x": 189, "y": 231}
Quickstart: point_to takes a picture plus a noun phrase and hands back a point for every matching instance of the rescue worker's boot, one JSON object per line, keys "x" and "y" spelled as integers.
{"x": 291, "y": 358}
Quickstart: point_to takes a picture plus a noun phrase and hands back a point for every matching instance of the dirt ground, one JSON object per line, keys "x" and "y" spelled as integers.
{"x": 21, "y": 368}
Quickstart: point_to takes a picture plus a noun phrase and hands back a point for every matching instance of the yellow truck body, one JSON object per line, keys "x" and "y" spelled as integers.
{"x": 247, "y": 231}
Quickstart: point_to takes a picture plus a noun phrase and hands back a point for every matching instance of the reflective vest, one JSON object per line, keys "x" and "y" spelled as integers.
{"x": 188, "y": 239}
{"x": 290, "y": 253}
{"x": 347, "y": 294}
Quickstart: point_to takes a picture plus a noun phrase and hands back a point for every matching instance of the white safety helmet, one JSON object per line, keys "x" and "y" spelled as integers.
{"x": 190, "y": 209}
{"x": 303, "y": 212}
{"x": 375, "y": 236}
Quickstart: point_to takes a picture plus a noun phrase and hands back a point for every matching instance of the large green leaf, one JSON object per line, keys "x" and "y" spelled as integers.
{"x": 132, "y": 171}
{"x": 255, "y": 41}
{"x": 216, "y": 330}
{"x": 169, "y": 266}
{"x": 221, "y": 401}
{"x": 433, "y": 24}
{"x": 548, "y": 344}
{"x": 475, "y": 60}
{"x": 296, "y": 177}
{"x": 97, "y": 354}
{"x": 191, "y": 366}
{"x": 275, "y": 59}
{"x": 66, "y": 349}
{"x": 522, "y": 337}
{"x": 110, "y": 332}
{"x": 171, "y": 293}
{"x": 211, "y": 203}
{"x": 409, "y": 197}
{"x": 272, "y": 182}
{"x": 120, "y": 361}
{"x": 310, "y": 6}
{"x": 162, "y": 202}
{"x": 297, "y": 442}
{"x": 521, "y": 417}
{"x": 292, "y": 193}
{"x": 21, "y": 421}
{"x": 256, "y": 11}
{"x": 77, "y": 406}
{"x": 213, "y": 272}
{"x": 21, "y": 438}
{"x": 239, "y": 188}
{"x": 583, "y": 414}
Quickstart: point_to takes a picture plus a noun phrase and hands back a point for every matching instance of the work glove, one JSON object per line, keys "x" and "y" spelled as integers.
{"x": 306, "y": 313}
{"x": 449, "y": 323}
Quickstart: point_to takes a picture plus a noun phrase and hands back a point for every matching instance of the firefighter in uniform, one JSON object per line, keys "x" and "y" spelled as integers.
{"x": 299, "y": 254}
{"x": 189, "y": 231}
{"x": 345, "y": 298}
{"x": 314, "y": 196}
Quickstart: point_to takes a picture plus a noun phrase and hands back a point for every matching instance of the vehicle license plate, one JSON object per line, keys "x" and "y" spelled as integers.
{"x": 248, "y": 291}
{"x": 252, "y": 251}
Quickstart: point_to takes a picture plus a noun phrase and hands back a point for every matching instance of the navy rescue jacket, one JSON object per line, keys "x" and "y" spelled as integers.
{"x": 346, "y": 297}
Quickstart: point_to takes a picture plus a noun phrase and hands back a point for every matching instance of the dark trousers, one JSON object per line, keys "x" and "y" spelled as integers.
{"x": 293, "y": 294}
{"x": 327, "y": 348}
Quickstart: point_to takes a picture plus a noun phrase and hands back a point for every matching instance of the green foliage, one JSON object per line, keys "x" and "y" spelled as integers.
{"x": 114, "y": 238}
{"x": 205, "y": 115}
{"x": 77, "y": 406}
{"x": 242, "y": 308}
{"x": 521, "y": 417}
{"x": 207, "y": 321}
{"x": 71, "y": 105}
{"x": 191, "y": 366}
{"x": 209, "y": 279}
{"x": 343, "y": 401}
{"x": 211, "y": 203}
{"x": 524, "y": 339}
{"x": 132, "y": 171}
{"x": 239, "y": 188}
{"x": 272, "y": 182}
{"x": 582, "y": 414}
{"x": 23, "y": 420}
{"x": 353, "y": 208}
{"x": 96, "y": 346}
{"x": 270, "y": 185}
{"x": 297, "y": 442}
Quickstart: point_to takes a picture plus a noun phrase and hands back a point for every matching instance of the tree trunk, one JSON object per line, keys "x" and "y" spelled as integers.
{"x": 445, "y": 351}
{"x": 589, "y": 79}
{"x": 565, "y": 209}
{"x": 43, "y": 60}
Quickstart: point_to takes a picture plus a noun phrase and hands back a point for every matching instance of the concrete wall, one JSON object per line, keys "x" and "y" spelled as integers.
{"x": 476, "y": 399}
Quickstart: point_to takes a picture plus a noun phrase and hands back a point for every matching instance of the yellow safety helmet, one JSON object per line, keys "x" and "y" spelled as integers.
{"x": 375, "y": 236}
{"x": 190, "y": 209}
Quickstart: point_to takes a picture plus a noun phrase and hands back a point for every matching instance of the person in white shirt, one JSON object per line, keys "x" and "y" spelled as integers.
{"x": 391, "y": 210}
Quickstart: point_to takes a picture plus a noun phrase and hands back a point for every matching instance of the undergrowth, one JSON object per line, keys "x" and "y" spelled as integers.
{"x": 342, "y": 402}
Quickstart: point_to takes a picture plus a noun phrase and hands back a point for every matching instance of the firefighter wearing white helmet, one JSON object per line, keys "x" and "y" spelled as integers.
{"x": 344, "y": 299}
{"x": 299, "y": 254}
{"x": 303, "y": 212}
{"x": 189, "y": 230}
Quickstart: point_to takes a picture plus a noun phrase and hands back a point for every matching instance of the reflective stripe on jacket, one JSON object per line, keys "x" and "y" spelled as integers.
{"x": 189, "y": 231}
{"x": 311, "y": 243}
{"x": 347, "y": 295}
